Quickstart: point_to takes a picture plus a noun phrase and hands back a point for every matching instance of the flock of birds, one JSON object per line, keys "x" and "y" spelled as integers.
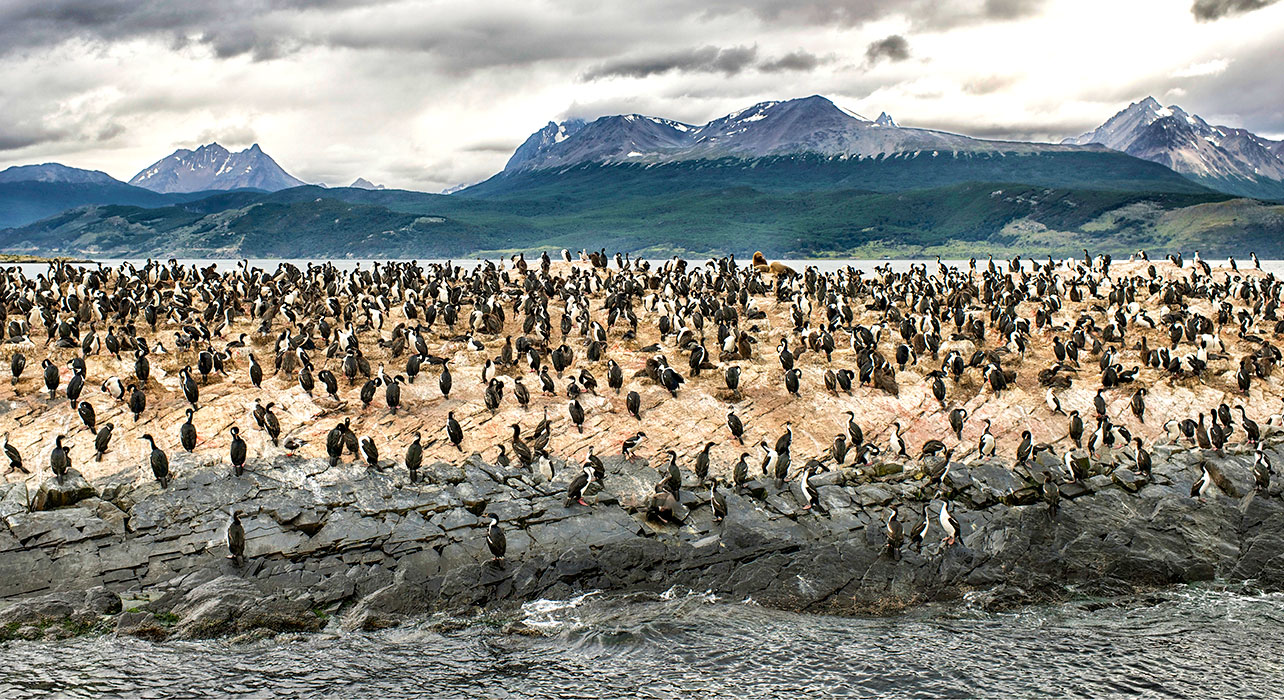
{"x": 319, "y": 327}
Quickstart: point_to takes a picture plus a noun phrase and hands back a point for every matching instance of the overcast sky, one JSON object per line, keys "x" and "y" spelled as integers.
{"x": 427, "y": 95}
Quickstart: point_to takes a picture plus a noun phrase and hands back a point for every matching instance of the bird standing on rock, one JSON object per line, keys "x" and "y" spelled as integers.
{"x": 949, "y": 525}
{"x": 702, "y": 463}
{"x": 575, "y": 491}
{"x": 956, "y": 417}
{"x": 334, "y": 444}
{"x": 1051, "y": 494}
{"x": 14, "y": 457}
{"x": 52, "y": 378}
{"x": 159, "y": 461}
{"x": 454, "y": 432}
{"x": 630, "y": 445}
{"x": 496, "y": 542}
{"x": 187, "y": 433}
{"x": 918, "y": 535}
{"x": 60, "y": 459}
{"x": 895, "y": 535}
{"x": 237, "y": 452}
{"x": 369, "y": 452}
{"x": 896, "y": 443}
{"x": 415, "y": 458}
{"x": 737, "y": 428}
{"x": 236, "y": 539}
{"x": 1261, "y": 470}
{"x": 1203, "y": 486}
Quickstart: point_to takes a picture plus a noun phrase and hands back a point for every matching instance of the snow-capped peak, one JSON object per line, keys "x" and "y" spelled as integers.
{"x": 213, "y": 167}
{"x": 1186, "y": 143}
{"x": 809, "y": 125}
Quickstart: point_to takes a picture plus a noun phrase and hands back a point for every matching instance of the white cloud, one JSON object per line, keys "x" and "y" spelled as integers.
{"x": 407, "y": 92}
{"x": 1196, "y": 70}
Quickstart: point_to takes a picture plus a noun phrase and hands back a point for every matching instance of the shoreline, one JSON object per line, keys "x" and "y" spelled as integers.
{"x": 371, "y": 550}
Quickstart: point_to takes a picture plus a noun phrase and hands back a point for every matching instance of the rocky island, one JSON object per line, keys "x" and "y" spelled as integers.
{"x": 958, "y": 409}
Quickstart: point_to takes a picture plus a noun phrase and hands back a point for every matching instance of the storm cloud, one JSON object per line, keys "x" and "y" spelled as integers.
{"x": 793, "y": 61}
{"x": 893, "y": 48}
{"x": 706, "y": 59}
{"x": 1209, "y": 10}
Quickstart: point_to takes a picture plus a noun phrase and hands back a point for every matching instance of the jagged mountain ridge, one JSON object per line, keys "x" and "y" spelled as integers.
{"x": 213, "y": 167}
{"x": 805, "y": 126}
{"x": 1189, "y": 145}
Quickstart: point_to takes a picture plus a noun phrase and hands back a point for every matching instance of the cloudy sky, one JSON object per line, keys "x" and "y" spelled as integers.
{"x": 425, "y": 95}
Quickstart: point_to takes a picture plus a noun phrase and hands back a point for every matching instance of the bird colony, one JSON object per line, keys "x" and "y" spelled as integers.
{"x": 719, "y": 373}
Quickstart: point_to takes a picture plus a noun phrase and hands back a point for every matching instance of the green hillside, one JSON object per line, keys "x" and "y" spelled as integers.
{"x": 1098, "y": 170}
{"x": 960, "y": 219}
{"x": 24, "y": 202}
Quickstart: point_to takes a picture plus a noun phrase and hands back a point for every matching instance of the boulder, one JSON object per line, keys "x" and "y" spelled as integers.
{"x": 102, "y": 601}
{"x": 143, "y": 625}
{"x": 1128, "y": 480}
{"x": 211, "y": 609}
{"x": 60, "y": 493}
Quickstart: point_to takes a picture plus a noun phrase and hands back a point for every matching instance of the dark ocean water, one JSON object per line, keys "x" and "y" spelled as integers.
{"x": 1186, "y": 642}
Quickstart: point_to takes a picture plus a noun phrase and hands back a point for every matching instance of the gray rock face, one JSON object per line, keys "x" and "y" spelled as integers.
{"x": 368, "y": 549}
{"x": 59, "y": 493}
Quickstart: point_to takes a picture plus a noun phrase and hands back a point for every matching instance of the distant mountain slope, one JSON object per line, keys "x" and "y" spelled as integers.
{"x": 55, "y": 172}
{"x": 1224, "y": 158}
{"x": 212, "y": 167}
{"x": 24, "y": 202}
{"x": 1096, "y": 169}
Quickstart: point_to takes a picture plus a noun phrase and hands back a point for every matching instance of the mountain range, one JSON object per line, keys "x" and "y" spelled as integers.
{"x": 811, "y": 125}
{"x": 800, "y": 177}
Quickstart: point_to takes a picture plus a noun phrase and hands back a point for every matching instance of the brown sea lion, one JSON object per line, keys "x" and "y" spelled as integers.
{"x": 760, "y": 263}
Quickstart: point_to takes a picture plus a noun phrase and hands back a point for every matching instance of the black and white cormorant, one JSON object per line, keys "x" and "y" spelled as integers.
{"x": 630, "y": 444}
{"x": 575, "y": 491}
{"x": 454, "y": 432}
{"x": 949, "y": 525}
{"x": 737, "y": 428}
{"x": 496, "y": 542}
{"x": 718, "y": 501}
{"x": 895, "y": 535}
{"x": 369, "y": 452}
